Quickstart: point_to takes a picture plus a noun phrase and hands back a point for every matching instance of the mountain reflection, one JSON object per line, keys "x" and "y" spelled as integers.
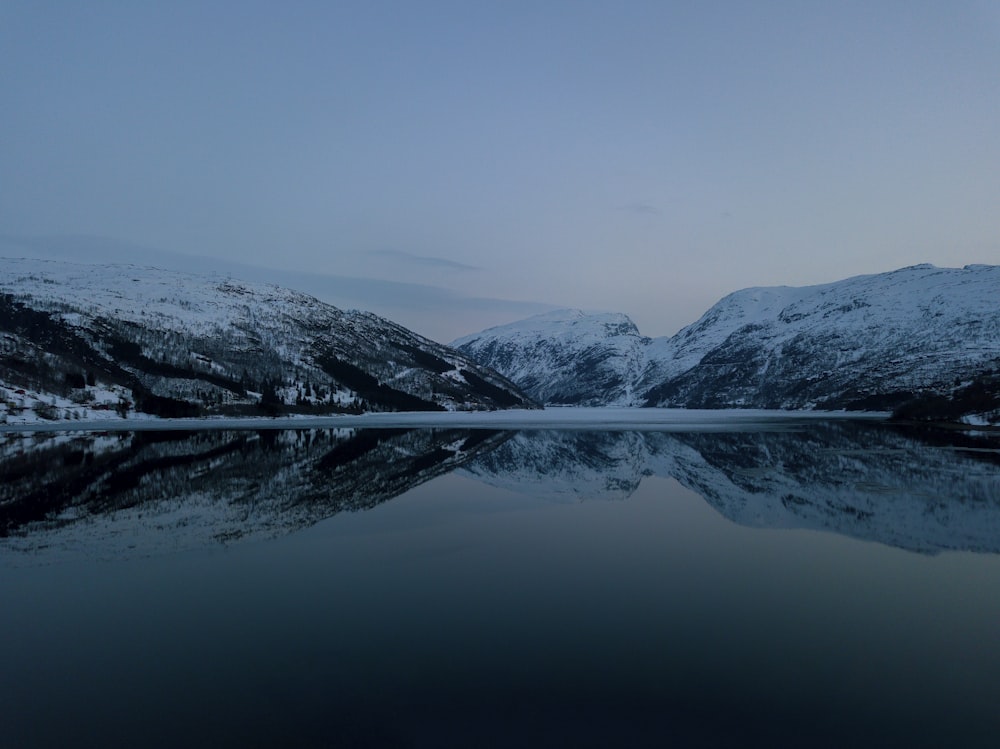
{"x": 145, "y": 492}
{"x": 922, "y": 491}
{"x": 114, "y": 495}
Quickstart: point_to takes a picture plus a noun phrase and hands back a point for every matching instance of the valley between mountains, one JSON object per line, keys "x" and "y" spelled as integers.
{"x": 923, "y": 341}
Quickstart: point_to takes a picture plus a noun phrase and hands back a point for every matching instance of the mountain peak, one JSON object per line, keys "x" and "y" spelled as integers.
{"x": 567, "y": 322}
{"x": 567, "y": 356}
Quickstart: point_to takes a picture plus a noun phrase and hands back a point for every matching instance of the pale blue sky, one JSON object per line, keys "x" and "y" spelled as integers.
{"x": 644, "y": 157}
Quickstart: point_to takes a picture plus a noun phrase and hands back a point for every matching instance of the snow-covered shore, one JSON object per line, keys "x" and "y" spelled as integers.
{"x": 603, "y": 419}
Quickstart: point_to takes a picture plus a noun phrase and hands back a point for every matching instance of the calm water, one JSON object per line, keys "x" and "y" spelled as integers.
{"x": 440, "y": 588}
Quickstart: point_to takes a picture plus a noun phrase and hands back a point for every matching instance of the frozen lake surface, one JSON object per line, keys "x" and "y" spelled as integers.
{"x": 664, "y": 419}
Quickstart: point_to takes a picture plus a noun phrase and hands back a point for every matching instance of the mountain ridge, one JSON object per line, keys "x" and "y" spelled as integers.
{"x": 78, "y": 339}
{"x": 869, "y": 342}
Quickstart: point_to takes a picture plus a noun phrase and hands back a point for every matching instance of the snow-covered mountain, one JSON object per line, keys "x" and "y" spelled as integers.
{"x": 869, "y": 342}
{"x": 86, "y": 340}
{"x": 566, "y": 357}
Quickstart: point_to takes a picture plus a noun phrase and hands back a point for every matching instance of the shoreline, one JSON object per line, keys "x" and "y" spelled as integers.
{"x": 591, "y": 419}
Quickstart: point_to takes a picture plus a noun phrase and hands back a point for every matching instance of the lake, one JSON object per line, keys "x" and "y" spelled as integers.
{"x": 823, "y": 584}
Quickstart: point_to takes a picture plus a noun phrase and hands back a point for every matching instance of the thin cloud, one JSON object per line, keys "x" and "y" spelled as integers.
{"x": 438, "y": 312}
{"x": 424, "y": 260}
{"x": 641, "y": 209}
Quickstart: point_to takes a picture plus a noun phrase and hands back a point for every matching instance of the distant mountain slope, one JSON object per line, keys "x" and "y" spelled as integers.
{"x": 869, "y": 342}
{"x": 80, "y": 338}
{"x": 565, "y": 357}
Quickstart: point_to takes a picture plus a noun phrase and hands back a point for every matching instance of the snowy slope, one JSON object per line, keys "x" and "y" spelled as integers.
{"x": 566, "y": 356}
{"x": 868, "y": 342}
{"x": 172, "y": 343}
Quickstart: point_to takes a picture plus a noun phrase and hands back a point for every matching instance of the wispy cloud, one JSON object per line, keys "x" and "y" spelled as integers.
{"x": 438, "y": 312}
{"x": 641, "y": 209}
{"x": 424, "y": 260}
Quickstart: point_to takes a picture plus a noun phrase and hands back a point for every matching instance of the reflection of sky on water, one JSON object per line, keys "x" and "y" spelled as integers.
{"x": 467, "y": 613}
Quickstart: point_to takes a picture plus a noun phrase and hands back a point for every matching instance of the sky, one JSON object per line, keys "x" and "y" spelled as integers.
{"x": 455, "y": 165}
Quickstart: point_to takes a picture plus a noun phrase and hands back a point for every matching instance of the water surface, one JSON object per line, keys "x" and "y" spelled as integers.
{"x": 830, "y": 585}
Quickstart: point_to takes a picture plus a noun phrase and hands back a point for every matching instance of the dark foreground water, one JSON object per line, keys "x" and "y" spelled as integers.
{"x": 836, "y": 586}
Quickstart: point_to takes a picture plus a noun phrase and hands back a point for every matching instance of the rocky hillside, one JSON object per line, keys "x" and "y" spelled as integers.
{"x": 81, "y": 341}
{"x": 870, "y": 342}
